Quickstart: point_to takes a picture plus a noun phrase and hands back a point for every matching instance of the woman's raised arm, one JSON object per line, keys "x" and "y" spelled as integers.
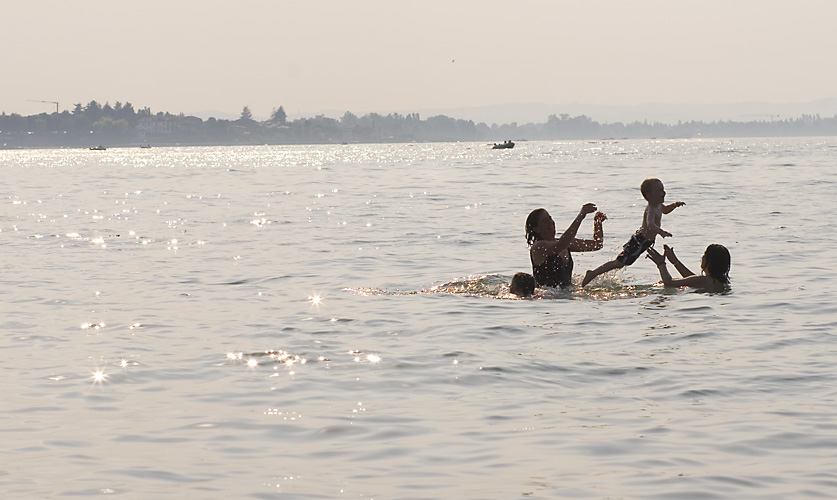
{"x": 582, "y": 245}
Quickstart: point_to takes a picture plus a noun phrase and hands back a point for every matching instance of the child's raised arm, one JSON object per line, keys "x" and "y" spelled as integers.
{"x": 668, "y": 208}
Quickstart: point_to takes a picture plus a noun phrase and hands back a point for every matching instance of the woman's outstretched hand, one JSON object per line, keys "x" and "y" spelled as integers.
{"x": 588, "y": 208}
{"x": 656, "y": 257}
{"x": 600, "y": 217}
{"x": 669, "y": 253}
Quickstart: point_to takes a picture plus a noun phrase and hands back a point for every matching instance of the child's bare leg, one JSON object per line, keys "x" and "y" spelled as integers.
{"x": 607, "y": 266}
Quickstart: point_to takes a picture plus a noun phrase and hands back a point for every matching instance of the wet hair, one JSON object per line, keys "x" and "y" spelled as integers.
{"x": 522, "y": 284}
{"x": 717, "y": 261}
{"x": 531, "y": 222}
{"x": 646, "y": 186}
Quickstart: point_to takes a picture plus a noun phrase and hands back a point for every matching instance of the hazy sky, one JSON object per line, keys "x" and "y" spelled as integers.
{"x": 312, "y": 56}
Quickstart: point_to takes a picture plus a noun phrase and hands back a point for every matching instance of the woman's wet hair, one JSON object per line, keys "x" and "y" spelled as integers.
{"x": 531, "y": 222}
{"x": 717, "y": 261}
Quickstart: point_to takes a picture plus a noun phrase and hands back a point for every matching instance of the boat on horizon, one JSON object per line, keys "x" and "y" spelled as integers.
{"x": 504, "y": 145}
{"x": 99, "y": 148}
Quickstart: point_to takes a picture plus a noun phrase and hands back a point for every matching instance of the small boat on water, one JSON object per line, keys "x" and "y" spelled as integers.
{"x": 145, "y": 146}
{"x": 99, "y": 148}
{"x": 505, "y": 145}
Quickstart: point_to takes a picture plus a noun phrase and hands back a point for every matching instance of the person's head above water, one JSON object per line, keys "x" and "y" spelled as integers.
{"x": 716, "y": 262}
{"x": 652, "y": 188}
{"x": 522, "y": 284}
{"x": 537, "y": 224}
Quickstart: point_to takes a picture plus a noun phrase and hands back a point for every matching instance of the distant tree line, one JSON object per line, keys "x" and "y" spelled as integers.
{"x": 121, "y": 125}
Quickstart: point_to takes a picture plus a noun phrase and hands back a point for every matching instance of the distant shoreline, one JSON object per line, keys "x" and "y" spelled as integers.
{"x": 122, "y": 126}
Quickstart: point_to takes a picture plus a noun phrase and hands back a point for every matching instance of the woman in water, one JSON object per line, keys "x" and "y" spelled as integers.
{"x": 552, "y": 261}
{"x": 714, "y": 267}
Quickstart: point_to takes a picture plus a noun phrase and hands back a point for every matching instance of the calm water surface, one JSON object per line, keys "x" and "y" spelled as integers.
{"x": 318, "y": 322}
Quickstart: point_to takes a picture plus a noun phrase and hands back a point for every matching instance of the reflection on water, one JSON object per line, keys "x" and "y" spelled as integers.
{"x": 496, "y": 286}
{"x": 253, "y": 322}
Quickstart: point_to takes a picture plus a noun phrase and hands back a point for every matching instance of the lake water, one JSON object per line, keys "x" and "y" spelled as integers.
{"x": 319, "y": 322}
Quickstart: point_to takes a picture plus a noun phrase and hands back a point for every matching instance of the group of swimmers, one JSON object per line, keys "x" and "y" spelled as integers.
{"x": 552, "y": 263}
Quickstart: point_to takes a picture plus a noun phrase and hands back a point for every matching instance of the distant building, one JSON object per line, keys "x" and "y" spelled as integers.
{"x": 154, "y": 125}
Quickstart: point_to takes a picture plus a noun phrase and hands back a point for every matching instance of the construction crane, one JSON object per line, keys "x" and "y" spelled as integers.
{"x": 49, "y": 102}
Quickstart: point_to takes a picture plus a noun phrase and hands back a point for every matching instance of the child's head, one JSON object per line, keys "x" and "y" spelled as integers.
{"x": 651, "y": 188}
{"x": 522, "y": 284}
{"x": 716, "y": 262}
{"x": 532, "y": 224}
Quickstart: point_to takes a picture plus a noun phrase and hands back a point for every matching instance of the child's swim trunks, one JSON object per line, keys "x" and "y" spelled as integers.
{"x": 633, "y": 249}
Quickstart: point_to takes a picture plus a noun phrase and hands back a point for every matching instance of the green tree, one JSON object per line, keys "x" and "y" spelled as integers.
{"x": 279, "y": 116}
{"x": 246, "y": 115}
{"x": 349, "y": 119}
{"x": 109, "y": 127}
{"x": 127, "y": 112}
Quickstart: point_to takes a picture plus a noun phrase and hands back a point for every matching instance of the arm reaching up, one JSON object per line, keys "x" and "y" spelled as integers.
{"x": 695, "y": 280}
{"x": 569, "y": 235}
{"x": 681, "y": 268}
{"x": 581, "y": 245}
{"x": 660, "y": 260}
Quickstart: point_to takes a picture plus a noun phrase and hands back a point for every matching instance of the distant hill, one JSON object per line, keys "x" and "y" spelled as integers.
{"x": 123, "y": 126}
{"x": 523, "y": 113}
{"x": 653, "y": 112}
{"x": 218, "y": 115}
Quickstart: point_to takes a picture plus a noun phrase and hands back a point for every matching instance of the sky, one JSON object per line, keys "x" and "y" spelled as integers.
{"x": 328, "y": 57}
